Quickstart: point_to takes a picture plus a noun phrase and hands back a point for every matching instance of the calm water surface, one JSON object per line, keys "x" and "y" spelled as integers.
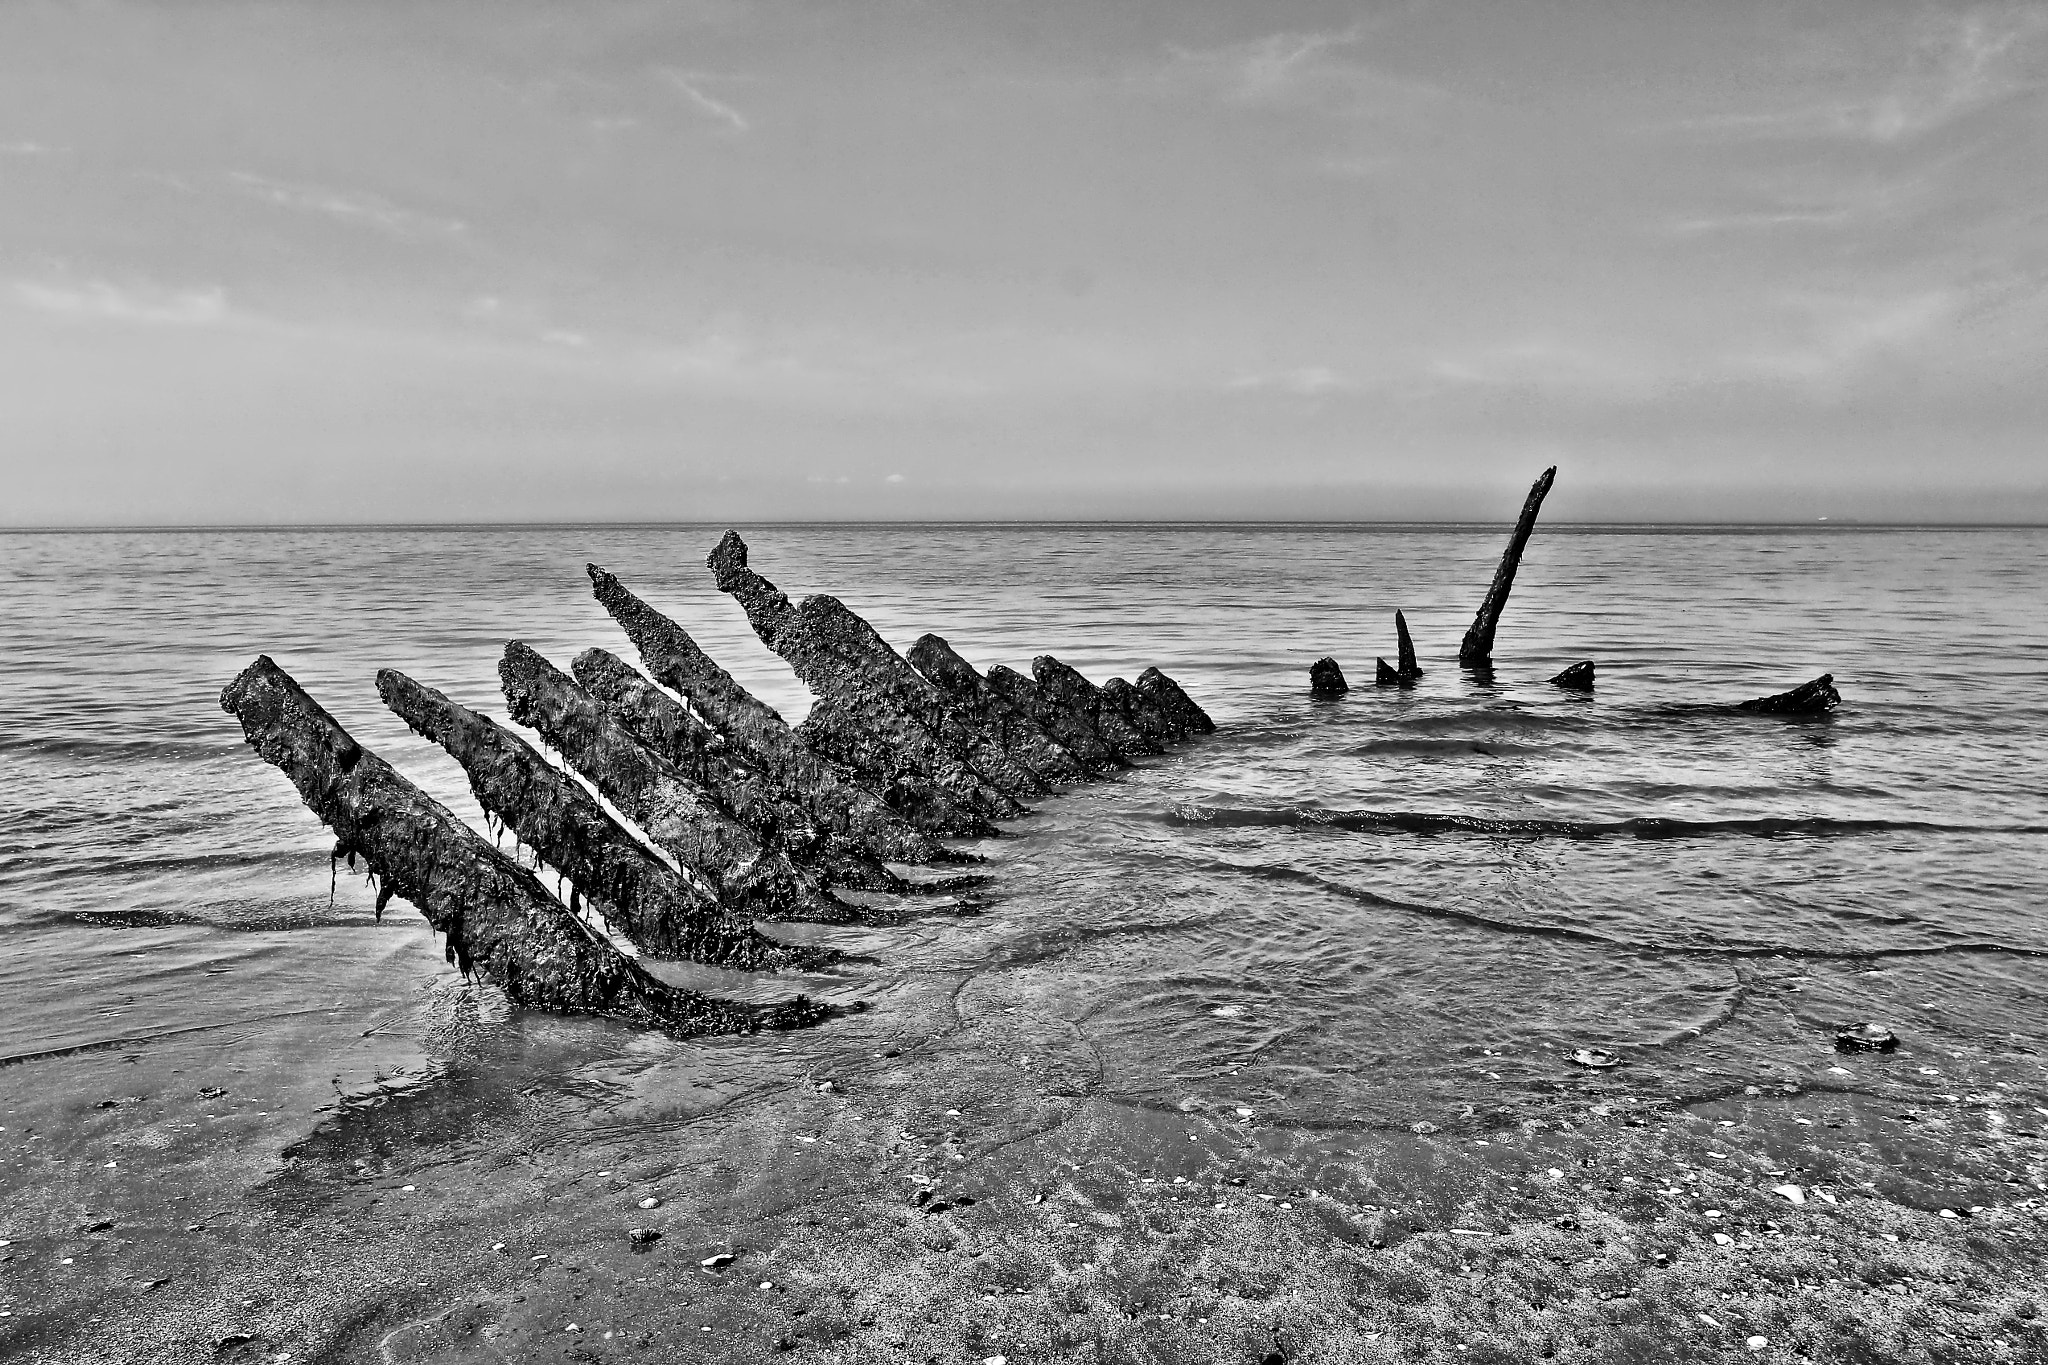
{"x": 1352, "y": 913}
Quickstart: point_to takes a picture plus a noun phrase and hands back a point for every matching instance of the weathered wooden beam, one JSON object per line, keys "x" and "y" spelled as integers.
{"x": 874, "y": 711}
{"x": 680, "y": 817}
{"x": 1012, "y": 727}
{"x": 784, "y": 820}
{"x": 500, "y": 923}
{"x": 1070, "y": 729}
{"x": 663, "y": 911}
{"x": 1477, "y": 649}
{"x": 1142, "y": 712}
{"x": 1065, "y": 686}
{"x": 894, "y": 820}
{"x": 1177, "y": 706}
{"x": 1326, "y": 677}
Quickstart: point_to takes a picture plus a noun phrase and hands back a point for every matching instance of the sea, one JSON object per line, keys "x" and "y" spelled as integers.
{"x": 1401, "y": 906}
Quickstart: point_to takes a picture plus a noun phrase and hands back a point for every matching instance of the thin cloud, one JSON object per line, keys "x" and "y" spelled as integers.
{"x": 1310, "y": 381}
{"x": 353, "y": 206}
{"x": 1963, "y": 65}
{"x": 1844, "y": 335}
{"x": 688, "y": 85}
{"x": 26, "y": 149}
{"x": 144, "y": 305}
{"x": 1313, "y": 70}
{"x": 1264, "y": 70}
{"x": 1368, "y": 115}
{"x": 1810, "y": 205}
{"x": 1760, "y": 222}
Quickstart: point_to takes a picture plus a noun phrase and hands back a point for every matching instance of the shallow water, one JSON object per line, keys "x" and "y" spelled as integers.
{"x": 1356, "y": 913}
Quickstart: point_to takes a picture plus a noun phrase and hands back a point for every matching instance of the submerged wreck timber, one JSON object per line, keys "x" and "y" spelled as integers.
{"x": 735, "y": 816}
{"x": 1807, "y": 699}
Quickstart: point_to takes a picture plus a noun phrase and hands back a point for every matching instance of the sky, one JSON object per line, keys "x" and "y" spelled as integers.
{"x": 513, "y": 261}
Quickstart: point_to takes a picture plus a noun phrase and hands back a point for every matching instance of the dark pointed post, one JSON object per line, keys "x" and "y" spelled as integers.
{"x": 1408, "y": 667}
{"x": 1477, "y": 651}
{"x": 1407, "y": 671}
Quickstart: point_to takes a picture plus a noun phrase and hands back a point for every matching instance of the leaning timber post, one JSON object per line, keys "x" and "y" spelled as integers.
{"x": 1477, "y": 650}
{"x": 500, "y": 923}
{"x": 677, "y": 815}
{"x": 897, "y": 822}
{"x": 782, "y": 820}
{"x": 874, "y": 712}
{"x": 663, "y": 912}
{"x": 1013, "y": 729}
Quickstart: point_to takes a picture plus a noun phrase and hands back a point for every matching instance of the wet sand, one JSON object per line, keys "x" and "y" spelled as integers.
{"x": 981, "y": 1200}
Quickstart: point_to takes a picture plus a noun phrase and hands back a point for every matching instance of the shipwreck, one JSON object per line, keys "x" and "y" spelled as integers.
{"x": 737, "y": 817}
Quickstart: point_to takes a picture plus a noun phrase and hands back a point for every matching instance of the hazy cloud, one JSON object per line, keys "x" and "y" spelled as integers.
{"x": 1310, "y": 381}
{"x": 1555, "y": 363}
{"x": 354, "y": 206}
{"x": 1271, "y": 69}
{"x": 1313, "y": 70}
{"x": 1761, "y": 222}
{"x": 1843, "y": 334}
{"x": 1960, "y": 64}
{"x": 690, "y": 85}
{"x": 134, "y": 304}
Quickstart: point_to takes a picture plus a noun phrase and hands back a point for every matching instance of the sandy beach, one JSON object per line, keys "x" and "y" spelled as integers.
{"x": 980, "y": 1201}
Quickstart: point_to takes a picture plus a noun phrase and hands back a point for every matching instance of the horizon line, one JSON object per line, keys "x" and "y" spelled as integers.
{"x": 184, "y": 528}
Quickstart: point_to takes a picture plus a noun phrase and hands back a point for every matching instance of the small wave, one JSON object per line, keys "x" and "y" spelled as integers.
{"x": 1491, "y": 720}
{"x": 315, "y": 915}
{"x": 128, "y": 1040}
{"x": 127, "y": 749}
{"x": 71, "y": 866}
{"x": 1693, "y": 710}
{"x": 1637, "y": 827}
{"x": 1431, "y": 748}
{"x": 1572, "y": 933}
